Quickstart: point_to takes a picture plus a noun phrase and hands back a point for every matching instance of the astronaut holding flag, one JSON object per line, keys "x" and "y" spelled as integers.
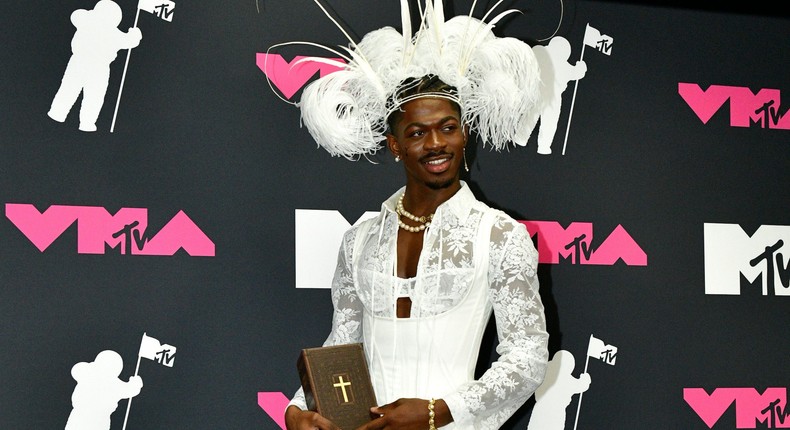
{"x": 98, "y": 391}
{"x": 95, "y": 45}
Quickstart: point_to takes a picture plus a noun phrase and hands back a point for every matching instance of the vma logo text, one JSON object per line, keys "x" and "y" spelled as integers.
{"x": 127, "y": 230}
{"x": 319, "y": 234}
{"x": 575, "y": 244}
{"x": 769, "y": 408}
{"x": 734, "y": 259}
{"x": 746, "y": 108}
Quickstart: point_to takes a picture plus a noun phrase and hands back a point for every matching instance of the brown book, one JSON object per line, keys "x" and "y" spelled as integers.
{"x": 336, "y": 383}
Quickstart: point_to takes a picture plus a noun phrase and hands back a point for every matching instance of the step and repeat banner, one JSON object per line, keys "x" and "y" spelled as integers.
{"x": 169, "y": 229}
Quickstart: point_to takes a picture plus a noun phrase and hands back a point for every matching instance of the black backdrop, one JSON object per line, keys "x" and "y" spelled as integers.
{"x": 199, "y": 130}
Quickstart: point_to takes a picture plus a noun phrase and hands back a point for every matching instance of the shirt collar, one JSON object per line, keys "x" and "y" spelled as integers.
{"x": 459, "y": 204}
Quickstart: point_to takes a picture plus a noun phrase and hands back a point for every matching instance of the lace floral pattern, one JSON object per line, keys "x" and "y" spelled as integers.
{"x": 445, "y": 275}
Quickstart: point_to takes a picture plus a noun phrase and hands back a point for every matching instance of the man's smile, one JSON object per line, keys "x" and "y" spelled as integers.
{"x": 438, "y": 164}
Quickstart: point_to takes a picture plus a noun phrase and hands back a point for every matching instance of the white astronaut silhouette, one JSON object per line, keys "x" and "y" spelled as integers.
{"x": 555, "y": 74}
{"x": 95, "y": 45}
{"x": 98, "y": 391}
{"x": 554, "y": 395}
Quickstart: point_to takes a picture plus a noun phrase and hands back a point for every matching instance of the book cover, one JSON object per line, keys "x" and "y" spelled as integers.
{"x": 337, "y": 384}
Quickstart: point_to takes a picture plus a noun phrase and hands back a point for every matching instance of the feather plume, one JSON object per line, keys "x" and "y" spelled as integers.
{"x": 496, "y": 79}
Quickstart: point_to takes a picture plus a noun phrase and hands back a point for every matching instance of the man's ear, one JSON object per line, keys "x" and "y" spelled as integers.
{"x": 392, "y": 145}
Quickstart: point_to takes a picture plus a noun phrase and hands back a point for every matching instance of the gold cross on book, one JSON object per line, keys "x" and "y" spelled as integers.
{"x": 343, "y": 386}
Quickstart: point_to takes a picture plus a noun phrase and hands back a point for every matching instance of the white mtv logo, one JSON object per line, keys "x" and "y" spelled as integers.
{"x": 319, "y": 234}
{"x": 730, "y": 252}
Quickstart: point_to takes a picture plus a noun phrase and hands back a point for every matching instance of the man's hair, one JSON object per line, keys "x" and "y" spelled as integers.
{"x": 412, "y": 88}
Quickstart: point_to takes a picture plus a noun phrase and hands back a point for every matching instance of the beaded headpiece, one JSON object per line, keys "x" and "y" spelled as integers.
{"x": 495, "y": 80}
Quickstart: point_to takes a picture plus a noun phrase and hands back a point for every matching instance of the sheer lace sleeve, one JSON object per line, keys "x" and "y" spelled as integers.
{"x": 521, "y": 327}
{"x": 347, "y": 315}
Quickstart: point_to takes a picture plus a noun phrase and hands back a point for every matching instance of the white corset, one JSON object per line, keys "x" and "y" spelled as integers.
{"x": 435, "y": 350}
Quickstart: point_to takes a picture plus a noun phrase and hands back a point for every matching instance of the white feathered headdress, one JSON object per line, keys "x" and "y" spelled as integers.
{"x": 496, "y": 80}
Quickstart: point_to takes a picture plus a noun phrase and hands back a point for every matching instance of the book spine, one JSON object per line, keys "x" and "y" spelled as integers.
{"x": 308, "y": 382}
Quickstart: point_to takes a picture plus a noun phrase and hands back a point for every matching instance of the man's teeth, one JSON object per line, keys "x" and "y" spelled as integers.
{"x": 439, "y": 161}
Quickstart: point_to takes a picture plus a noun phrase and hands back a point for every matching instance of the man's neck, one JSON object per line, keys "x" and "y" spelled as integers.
{"x": 422, "y": 200}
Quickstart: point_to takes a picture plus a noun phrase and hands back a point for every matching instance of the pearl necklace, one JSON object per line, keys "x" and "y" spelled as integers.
{"x": 425, "y": 221}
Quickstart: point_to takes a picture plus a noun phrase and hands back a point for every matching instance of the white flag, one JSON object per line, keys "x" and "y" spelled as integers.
{"x": 151, "y": 349}
{"x": 598, "y": 349}
{"x": 161, "y": 8}
{"x": 601, "y": 42}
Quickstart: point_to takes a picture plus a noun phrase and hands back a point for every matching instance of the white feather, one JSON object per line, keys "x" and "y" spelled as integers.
{"x": 496, "y": 78}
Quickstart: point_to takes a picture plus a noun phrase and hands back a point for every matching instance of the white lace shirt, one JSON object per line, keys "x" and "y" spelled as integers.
{"x": 475, "y": 260}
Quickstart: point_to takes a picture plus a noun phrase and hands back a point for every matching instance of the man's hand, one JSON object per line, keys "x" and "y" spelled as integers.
{"x": 297, "y": 419}
{"x": 406, "y": 414}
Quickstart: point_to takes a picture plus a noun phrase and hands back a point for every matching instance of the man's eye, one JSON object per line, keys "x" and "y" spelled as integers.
{"x": 416, "y": 133}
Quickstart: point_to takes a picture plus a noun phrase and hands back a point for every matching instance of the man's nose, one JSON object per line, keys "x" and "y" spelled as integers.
{"x": 435, "y": 140}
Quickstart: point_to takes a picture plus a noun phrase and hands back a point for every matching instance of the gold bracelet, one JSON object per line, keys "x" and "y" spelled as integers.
{"x": 431, "y": 414}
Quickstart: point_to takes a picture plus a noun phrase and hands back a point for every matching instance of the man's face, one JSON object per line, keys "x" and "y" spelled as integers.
{"x": 430, "y": 140}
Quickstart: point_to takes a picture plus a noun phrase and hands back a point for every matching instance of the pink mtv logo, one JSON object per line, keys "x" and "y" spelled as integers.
{"x": 575, "y": 243}
{"x": 746, "y": 108}
{"x": 751, "y": 407}
{"x": 291, "y": 77}
{"x": 96, "y": 227}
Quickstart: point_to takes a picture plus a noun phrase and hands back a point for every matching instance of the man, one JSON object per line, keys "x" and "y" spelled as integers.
{"x": 417, "y": 285}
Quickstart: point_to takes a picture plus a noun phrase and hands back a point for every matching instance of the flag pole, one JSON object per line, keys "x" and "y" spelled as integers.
{"x": 136, "y": 369}
{"x": 573, "y": 100}
{"x": 586, "y": 362}
{"x": 120, "y": 90}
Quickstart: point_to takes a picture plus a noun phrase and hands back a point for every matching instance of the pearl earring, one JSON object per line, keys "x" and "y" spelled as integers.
{"x": 397, "y": 158}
